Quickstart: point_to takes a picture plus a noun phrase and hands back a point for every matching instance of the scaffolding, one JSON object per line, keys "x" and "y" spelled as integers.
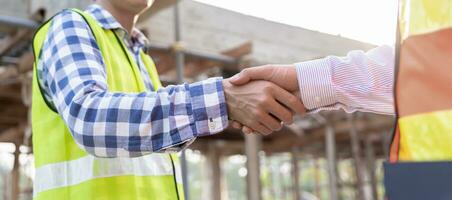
{"x": 332, "y": 136}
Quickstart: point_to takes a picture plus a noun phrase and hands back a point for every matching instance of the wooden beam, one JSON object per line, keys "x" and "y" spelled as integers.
{"x": 197, "y": 62}
{"x": 314, "y": 136}
{"x": 9, "y": 42}
{"x": 26, "y": 62}
{"x": 239, "y": 51}
{"x": 8, "y": 72}
{"x": 10, "y": 96}
{"x": 13, "y": 110}
{"x": 11, "y": 135}
{"x": 156, "y": 7}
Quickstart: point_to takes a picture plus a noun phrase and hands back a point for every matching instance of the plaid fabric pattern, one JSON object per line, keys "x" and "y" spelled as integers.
{"x": 110, "y": 124}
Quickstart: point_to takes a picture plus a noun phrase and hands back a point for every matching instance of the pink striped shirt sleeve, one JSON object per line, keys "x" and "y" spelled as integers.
{"x": 360, "y": 81}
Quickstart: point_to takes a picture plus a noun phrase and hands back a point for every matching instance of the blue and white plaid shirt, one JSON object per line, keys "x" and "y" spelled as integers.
{"x": 110, "y": 124}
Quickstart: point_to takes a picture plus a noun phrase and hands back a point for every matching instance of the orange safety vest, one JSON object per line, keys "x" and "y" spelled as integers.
{"x": 420, "y": 160}
{"x": 423, "y": 92}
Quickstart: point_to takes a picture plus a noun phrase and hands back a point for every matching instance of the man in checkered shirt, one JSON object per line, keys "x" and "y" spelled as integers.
{"x": 72, "y": 76}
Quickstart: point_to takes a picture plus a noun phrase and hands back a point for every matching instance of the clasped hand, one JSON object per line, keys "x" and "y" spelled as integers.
{"x": 261, "y": 99}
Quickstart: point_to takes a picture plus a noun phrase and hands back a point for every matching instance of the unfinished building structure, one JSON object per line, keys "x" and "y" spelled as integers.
{"x": 189, "y": 45}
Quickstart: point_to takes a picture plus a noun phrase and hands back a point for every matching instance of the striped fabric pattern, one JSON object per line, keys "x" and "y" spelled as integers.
{"x": 360, "y": 81}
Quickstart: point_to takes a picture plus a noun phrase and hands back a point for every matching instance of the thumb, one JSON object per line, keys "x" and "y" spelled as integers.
{"x": 249, "y": 74}
{"x": 240, "y": 79}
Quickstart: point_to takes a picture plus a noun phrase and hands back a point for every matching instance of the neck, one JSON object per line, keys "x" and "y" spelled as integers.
{"x": 126, "y": 18}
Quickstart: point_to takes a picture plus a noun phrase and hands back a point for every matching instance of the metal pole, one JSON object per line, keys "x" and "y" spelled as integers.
{"x": 213, "y": 172}
{"x": 15, "y": 192}
{"x": 356, "y": 153}
{"x": 315, "y": 162}
{"x": 331, "y": 161}
{"x": 386, "y": 143}
{"x": 18, "y": 22}
{"x": 296, "y": 174}
{"x": 252, "y": 147}
{"x": 370, "y": 154}
{"x": 180, "y": 63}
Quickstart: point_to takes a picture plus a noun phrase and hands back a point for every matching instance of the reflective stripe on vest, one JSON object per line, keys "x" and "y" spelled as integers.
{"x": 424, "y": 82}
{"x": 73, "y": 172}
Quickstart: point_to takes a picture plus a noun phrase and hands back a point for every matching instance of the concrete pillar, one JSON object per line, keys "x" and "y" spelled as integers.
{"x": 15, "y": 190}
{"x": 180, "y": 63}
{"x": 296, "y": 190}
{"x": 214, "y": 172}
{"x": 370, "y": 156}
{"x": 386, "y": 138}
{"x": 252, "y": 147}
{"x": 316, "y": 176}
{"x": 356, "y": 154}
{"x": 331, "y": 161}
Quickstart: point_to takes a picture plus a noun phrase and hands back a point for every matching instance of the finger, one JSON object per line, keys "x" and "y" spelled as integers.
{"x": 297, "y": 94}
{"x": 247, "y": 130}
{"x": 236, "y": 124}
{"x": 282, "y": 113}
{"x": 270, "y": 122}
{"x": 260, "y": 128}
{"x": 254, "y": 73}
{"x": 289, "y": 100}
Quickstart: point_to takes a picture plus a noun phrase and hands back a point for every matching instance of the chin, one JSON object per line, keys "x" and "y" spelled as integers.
{"x": 142, "y": 5}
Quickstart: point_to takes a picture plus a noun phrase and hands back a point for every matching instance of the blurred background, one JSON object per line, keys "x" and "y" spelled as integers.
{"x": 329, "y": 155}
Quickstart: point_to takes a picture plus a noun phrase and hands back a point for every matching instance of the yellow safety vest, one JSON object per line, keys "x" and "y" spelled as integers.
{"x": 65, "y": 171}
{"x": 424, "y": 83}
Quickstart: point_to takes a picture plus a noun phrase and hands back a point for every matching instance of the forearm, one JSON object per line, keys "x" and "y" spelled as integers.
{"x": 136, "y": 124}
{"x": 109, "y": 124}
{"x": 358, "y": 82}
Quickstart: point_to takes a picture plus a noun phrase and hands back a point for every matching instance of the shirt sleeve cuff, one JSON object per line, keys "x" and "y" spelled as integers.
{"x": 208, "y": 106}
{"x": 315, "y": 82}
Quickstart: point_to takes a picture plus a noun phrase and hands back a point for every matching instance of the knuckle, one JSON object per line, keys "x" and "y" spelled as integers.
{"x": 256, "y": 113}
{"x": 293, "y": 100}
{"x": 261, "y": 103}
{"x": 289, "y": 115}
{"x": 268, "y": 88}
{"x": 261, "y": 114}
{"x": 267, "y": 131}
{"x": 266, "y": 101}
{"x": 254, "y": 125}
{"x": 277, "y": 127}
{"x": 245, "y": 71}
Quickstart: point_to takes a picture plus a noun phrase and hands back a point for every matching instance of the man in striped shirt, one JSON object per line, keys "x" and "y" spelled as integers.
{"x": 360, "y": 81}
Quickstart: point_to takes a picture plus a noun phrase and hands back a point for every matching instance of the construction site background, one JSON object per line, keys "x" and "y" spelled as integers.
{"x": 331, "y": 155}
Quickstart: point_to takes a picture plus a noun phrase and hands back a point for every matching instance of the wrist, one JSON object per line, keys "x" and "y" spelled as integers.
{"x": 315, "y": 83}
{"x": 229, "y": 99}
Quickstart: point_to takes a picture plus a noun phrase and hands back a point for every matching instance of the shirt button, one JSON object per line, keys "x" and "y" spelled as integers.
{"x": 212, "y": 126}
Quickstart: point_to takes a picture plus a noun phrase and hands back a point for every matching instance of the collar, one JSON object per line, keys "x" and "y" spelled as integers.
{"x": 107, "y": 21}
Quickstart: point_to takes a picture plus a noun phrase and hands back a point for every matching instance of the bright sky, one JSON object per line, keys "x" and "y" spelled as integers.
{"x": 370, "y": 21}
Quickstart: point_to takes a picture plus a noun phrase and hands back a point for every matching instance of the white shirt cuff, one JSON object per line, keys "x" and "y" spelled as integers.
{"x": 316, "y": 86}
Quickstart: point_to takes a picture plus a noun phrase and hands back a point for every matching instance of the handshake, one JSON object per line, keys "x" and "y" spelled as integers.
{"x": 261, "y": 99}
